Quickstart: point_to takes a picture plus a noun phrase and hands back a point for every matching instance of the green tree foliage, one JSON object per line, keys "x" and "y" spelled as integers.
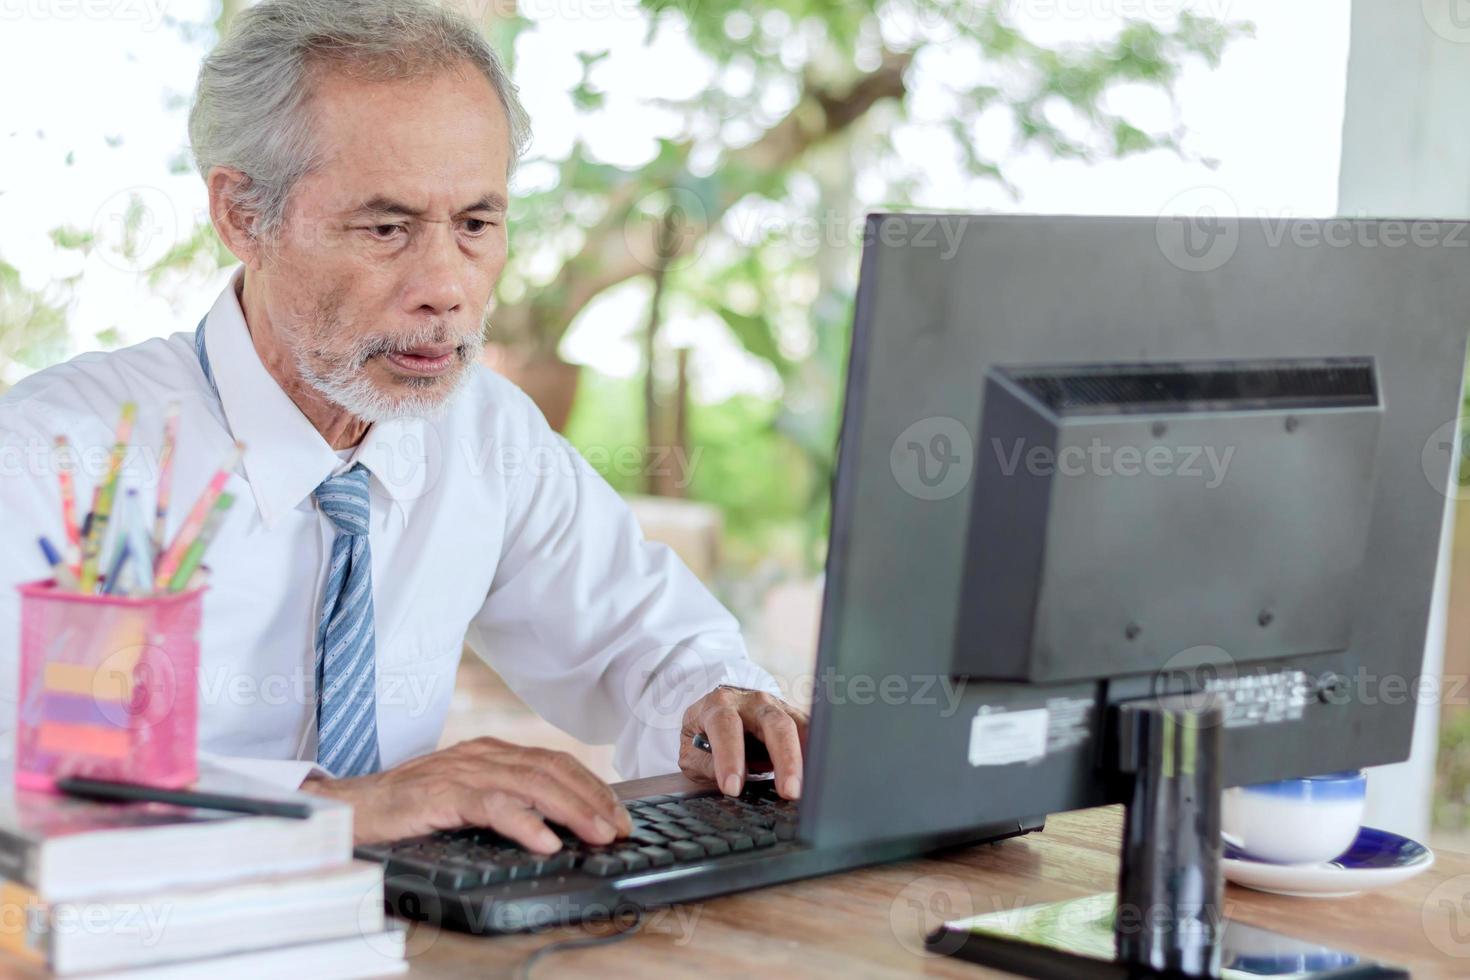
{"x": 33, "y": 329}
{"x": 760, "y": 177}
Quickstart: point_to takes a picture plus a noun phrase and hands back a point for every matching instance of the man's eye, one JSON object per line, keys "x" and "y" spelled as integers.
{"x": 385, "y": 232}
{"x": 476, "y": 226}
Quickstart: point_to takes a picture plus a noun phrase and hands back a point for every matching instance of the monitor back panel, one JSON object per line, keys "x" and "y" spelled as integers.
{"x": 900, "y": 747}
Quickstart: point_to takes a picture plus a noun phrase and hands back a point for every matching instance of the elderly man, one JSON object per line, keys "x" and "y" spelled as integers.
{"x": 396, "y": 499}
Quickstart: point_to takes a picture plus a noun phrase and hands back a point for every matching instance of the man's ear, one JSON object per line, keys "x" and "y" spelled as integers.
{"x": 236, "y": 227}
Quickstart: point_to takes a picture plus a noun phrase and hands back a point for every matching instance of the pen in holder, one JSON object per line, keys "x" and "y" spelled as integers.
{"x": 108, "y": 687}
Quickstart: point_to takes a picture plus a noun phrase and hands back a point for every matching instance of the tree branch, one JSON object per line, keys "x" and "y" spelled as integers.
{"x": 611, "y": 251}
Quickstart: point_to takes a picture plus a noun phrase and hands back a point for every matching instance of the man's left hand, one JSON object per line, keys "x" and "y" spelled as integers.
{"x": 724, "y": 716}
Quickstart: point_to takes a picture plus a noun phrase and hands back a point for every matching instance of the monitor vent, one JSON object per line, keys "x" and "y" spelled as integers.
{"x": 1105, "y": 389}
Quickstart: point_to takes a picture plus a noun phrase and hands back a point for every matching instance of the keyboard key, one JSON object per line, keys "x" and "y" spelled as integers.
{"x": 737, "y": 840}
{"x": 602, "y": 865}
{"x": 648, "y": 837}
{"x": 403, "y": 865}
{"x": 765, "y": 838}
{"x": 455, "y": 876}
{"x": 474, "y": 869}
{"x": 657, "y": 856}
{"x": 785, "y": 830}
{"x": 673, "y": 832}
{"x": 687, "y": 850}
{"x": 633, "y": 860}
{"x": 698, "y": 826}
{"x": 713, "y": 845}
{"x": 526, "y": 866}
{"x": 562, "y": 860}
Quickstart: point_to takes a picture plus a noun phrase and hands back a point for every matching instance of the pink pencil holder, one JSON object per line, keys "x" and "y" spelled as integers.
{"x": 108, "y": 687}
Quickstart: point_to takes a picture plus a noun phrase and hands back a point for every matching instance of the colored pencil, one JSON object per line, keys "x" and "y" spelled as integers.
{"x": 168, "y": 562}
{"x": 165, "y": 474}
{"x": 134, "y": 529}
{"x": 106, "y": 493}
{"x": 195, "y": 554}
{"x": 68, "y": 497}
{"x": 76, "y": 566}
{"x": 63, "y": 576}
{"x": 114, "y": 584}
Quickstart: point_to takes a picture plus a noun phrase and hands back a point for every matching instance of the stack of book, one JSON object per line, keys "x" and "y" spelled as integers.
{"x": 155, "y": 890}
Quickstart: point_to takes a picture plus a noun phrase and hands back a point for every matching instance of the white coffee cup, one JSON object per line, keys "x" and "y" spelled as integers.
{"x": 1295, "y": 821}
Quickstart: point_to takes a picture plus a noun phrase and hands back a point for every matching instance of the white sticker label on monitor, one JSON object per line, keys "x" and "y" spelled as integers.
{"x": 1002, "y": 738}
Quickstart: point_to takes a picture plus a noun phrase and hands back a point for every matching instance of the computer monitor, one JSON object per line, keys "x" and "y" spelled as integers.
{"x": 1095, "y": 469}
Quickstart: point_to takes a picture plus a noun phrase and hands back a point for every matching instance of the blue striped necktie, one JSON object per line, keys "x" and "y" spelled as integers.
{"x": 346, "y": 676}
{"x": 346, "y": 672}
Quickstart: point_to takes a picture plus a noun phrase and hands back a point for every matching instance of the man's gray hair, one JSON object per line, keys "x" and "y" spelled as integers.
{"x": 251, "y": 104}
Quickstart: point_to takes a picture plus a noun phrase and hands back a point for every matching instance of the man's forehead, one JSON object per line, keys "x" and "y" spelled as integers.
{"x": 448, "y": 124}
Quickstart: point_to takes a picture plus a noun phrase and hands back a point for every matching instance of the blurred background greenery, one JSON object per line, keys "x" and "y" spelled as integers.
{"x": 747, "y": 212}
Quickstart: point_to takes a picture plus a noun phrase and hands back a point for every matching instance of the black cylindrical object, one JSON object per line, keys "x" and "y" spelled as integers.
{"x": 1170, "y": 916}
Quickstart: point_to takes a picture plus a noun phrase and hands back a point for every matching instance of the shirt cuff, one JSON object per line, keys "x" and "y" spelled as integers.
{"x": 744, "y": 673}
{"x": 281, "y": 773}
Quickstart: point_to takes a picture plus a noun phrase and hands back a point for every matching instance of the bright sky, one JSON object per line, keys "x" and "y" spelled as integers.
{"x": 107, "y": 82}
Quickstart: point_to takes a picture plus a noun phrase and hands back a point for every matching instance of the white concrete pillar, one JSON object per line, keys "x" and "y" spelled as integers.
{"x": 1406, "y": 153}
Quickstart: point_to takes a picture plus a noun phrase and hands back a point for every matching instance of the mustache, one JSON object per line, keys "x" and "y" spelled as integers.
{"x": 364, "y": 348}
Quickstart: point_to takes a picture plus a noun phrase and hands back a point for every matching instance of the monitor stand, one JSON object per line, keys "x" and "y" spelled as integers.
{"x": 1167, "y": 918}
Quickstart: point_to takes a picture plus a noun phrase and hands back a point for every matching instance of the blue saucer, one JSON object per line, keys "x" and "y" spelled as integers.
{"x": 1376, "y": 859}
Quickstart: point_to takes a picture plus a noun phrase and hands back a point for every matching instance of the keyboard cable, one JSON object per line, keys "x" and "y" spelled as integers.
{"x": 630, "y": 925}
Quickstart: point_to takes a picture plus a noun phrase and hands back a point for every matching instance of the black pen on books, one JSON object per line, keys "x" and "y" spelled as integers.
{"x": 107, "y": 791}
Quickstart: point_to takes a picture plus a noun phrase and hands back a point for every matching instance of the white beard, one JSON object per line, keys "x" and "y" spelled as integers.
{"x": 348, "y": 385}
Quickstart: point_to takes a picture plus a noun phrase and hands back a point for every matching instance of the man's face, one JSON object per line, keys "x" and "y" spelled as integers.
{"x": 382, "y": 274}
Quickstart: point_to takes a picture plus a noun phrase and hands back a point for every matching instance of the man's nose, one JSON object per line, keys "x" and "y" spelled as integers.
{"x": 437, "y": 287}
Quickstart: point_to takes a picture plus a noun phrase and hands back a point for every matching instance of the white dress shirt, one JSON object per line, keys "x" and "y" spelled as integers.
{"x": 487, "y": 529}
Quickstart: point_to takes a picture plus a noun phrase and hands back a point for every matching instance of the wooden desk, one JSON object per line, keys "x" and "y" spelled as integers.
{"x": 871, "y": 922}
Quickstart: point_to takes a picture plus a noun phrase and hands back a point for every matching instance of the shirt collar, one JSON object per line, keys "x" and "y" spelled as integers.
{"x": 285, "y": 457}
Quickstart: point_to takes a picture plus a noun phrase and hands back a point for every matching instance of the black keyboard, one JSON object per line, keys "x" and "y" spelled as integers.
{"x": 478, "y": 880}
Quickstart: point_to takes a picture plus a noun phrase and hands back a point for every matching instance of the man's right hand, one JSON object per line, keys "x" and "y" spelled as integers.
{"x": 482, "y": 783}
